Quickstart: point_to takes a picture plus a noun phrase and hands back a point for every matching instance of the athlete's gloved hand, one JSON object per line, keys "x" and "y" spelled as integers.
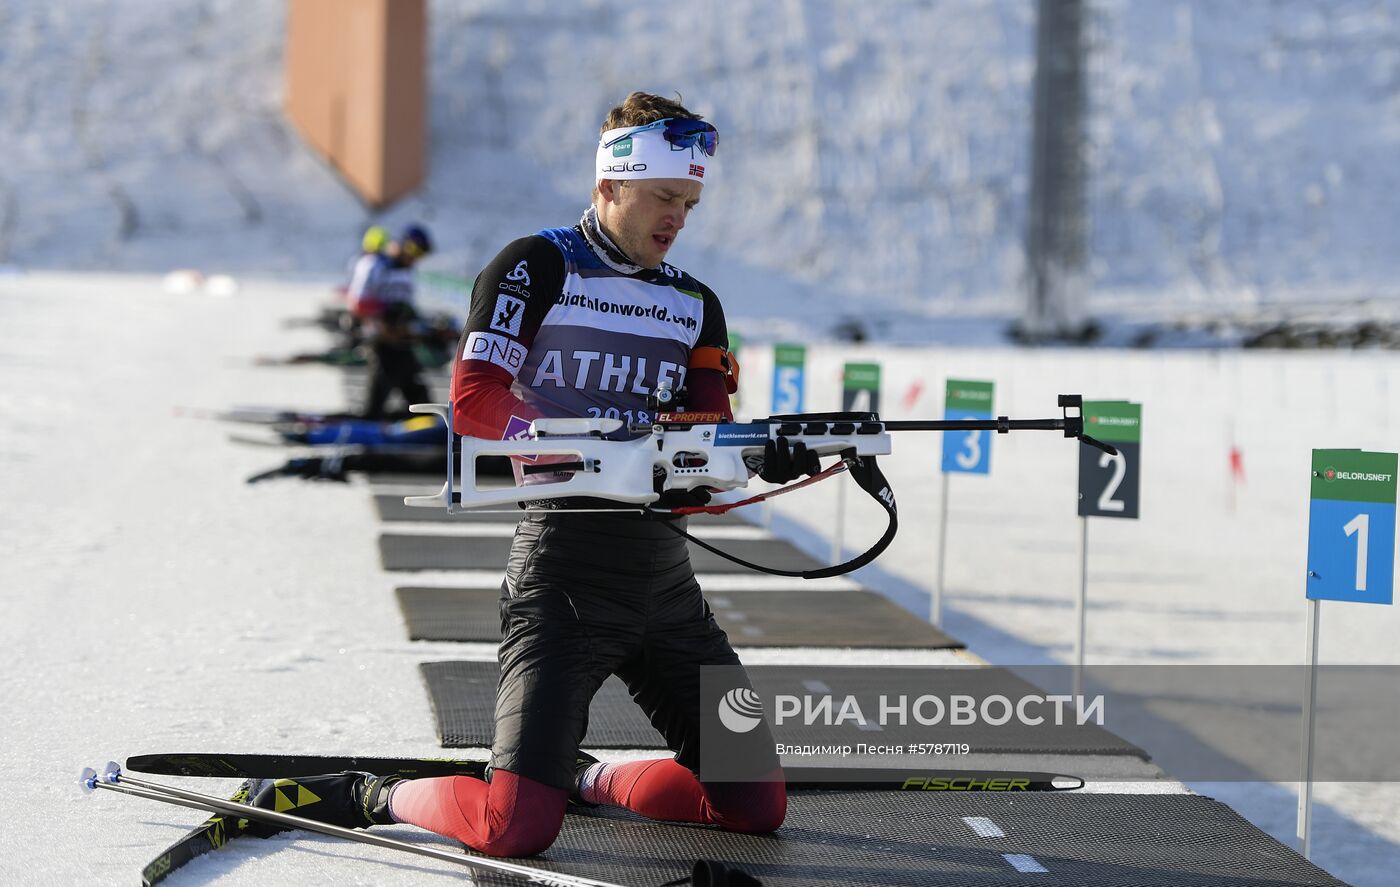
{"x": 784, "y": 462}
{"x": 683, "y": 498}
{"x": 676, "y": 498}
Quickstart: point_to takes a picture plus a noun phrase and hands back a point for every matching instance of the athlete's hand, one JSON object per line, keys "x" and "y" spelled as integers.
{"x": 676, "y": 498}
{"x": 683, "y": 498}
{"x": 784, "y": 462}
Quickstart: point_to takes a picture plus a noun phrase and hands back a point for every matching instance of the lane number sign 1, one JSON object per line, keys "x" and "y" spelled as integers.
{"x": 1351, "y": 527}
{"x": 1108, "y": 485}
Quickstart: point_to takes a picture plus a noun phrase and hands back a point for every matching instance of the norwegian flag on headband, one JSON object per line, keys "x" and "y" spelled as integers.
{"x": 697, "y": 170}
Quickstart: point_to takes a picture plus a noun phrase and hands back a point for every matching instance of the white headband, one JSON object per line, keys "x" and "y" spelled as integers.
{"x": 647, "y": 155}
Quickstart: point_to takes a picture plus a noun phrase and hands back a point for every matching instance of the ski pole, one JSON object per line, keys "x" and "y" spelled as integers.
{"x": 112, "y": 779}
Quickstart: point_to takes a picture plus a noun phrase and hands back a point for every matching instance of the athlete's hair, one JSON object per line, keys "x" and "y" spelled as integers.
{"x": 641, "y": 108}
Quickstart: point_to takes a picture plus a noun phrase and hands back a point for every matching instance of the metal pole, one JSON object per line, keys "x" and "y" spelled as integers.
{"x": 1080, "y": 605}
{"x": 935, "y": 613}
{"x": 114, "y": 780}
{"x": 1056, "y": 226}
{"x": 1309, "y": 710}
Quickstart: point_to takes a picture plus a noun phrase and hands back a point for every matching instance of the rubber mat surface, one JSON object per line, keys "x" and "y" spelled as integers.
{"x": 403, "y": 552}
{"x": 788, "y": 618}
{"x": 463, "y": 697}
{"x": 970, "y": 840}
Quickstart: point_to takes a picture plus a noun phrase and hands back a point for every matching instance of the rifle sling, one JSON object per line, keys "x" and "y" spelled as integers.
{"x": 867, "y": 474}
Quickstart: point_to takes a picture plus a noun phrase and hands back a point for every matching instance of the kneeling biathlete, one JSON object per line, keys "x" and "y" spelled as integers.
{"x": 579, "y": 322}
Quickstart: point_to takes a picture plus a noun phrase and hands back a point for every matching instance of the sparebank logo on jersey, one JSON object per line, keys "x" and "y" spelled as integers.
{"x": 521, "y": 272}
{"x": 508, "y": 313}
{"x": 519, "y": 429}
{"x": 507, "y": 354}
{"x": 740, "y": 436}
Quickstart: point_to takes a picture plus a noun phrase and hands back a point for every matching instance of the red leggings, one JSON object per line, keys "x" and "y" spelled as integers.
{"x": 515, "y": 816}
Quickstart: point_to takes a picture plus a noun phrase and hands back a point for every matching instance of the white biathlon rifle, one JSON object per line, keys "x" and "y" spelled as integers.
{"x": 683, "y": 451}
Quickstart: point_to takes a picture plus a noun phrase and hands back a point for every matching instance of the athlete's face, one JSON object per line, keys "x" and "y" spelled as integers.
{"x": 644, "y": 216}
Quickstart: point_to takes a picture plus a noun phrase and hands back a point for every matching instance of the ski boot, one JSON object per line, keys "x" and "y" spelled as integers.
{"x": 349, "y": 800}
{"x": 582, "y": 761}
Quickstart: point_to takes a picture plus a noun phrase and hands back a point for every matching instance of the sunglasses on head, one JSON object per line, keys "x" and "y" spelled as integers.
{"x": 682, "y": 133}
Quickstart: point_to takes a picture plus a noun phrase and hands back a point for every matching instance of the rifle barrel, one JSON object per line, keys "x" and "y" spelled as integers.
{"x": 1001, "y": 424}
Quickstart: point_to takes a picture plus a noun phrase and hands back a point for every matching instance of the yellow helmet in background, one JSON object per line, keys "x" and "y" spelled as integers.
{"x": 375, "y": 239}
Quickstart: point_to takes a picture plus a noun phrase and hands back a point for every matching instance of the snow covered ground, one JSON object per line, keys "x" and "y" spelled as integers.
{"x": 153, "y": 601}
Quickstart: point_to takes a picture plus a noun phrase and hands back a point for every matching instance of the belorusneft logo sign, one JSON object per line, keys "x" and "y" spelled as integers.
{"x": 1114, "y": 421}
{"x": 1331, "y": 474}
{"x": 970, "y": 394}
{"x": 740, "y": 710}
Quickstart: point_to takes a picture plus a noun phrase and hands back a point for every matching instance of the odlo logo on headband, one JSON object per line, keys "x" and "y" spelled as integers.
{"x": 625, "y": 167}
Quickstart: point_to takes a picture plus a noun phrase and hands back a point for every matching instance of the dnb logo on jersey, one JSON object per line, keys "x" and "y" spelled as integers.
{"x": 507, "y": 354}
{"x": 507, "y": 315}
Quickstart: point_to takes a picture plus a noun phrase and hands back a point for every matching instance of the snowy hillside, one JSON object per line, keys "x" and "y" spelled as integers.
{"x": 873, "y": 158}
